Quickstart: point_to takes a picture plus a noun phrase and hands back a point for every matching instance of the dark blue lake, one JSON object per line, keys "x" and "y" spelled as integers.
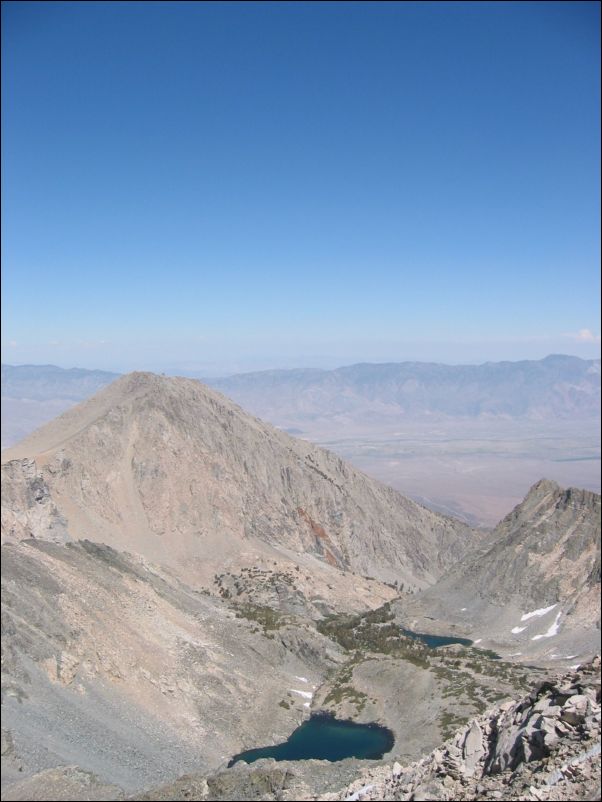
{"x": 323, "y": 737}
{"x": 433, "y": 641}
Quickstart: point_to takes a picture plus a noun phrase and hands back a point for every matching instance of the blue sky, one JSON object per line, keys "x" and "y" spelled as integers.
{"x": 235, "y": 186}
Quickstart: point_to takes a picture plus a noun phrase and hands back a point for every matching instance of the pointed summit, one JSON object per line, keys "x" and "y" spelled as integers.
{"x": 174, "y": 471}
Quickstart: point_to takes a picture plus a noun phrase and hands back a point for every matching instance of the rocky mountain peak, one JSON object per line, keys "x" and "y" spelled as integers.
{"x": 170, "y": 469}
{"x": 545, "y": 500}
{"x": 542, "y": 488}
{"x": 534, "y": 583}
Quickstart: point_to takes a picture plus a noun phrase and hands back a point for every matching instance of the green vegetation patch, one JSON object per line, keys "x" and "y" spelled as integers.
{"x": 342, "y": 689}
{"x": 267, "y": 618}
{"x": 450, "y": 722}
{"x": 375, "y": 632}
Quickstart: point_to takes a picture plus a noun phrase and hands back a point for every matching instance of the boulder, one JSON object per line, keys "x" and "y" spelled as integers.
{"x": 473, "y": 748}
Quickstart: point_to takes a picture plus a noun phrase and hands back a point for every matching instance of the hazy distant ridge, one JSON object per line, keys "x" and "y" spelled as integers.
{"x": 35, "y": 394}
{"x": 554, "y": 388}
{"x": 42, "y": 382}
{"x": 557, "y": 387}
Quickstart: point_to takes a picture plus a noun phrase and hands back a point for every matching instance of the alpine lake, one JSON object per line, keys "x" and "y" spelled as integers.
{"x": 323, "y": 737}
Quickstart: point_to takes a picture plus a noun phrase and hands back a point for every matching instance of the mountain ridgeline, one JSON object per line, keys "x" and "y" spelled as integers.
{"x": 557, "y": 387}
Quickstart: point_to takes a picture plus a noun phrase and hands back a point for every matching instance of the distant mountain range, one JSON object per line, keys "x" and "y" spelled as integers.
{"x": 43, "y": 382}
{"x": 555, "y": 388}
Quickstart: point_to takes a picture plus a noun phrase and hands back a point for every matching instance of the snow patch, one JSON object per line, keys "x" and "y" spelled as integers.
{"x": 301, "y": 679}
{"x": 538, "y": 613}
{"x": 553, "y": 630}
{"x": 305, "y": 704}
{"x": 477, "y": 641}
{"x": 304, "y": 694}
{"x": 463, "y": 609}
{"x": 516, "y": 630}
{"x": 515, "y": 654}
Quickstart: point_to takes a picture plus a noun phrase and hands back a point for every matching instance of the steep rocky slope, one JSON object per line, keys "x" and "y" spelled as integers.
{"x": 114, "y": 665}
{"x": 546, "y": 550}
{"x": 532, "y": 588}
{"x": 174, "y": 471}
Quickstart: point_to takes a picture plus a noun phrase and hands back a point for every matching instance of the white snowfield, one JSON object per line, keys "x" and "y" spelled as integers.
{"x": 305, "y": 694}
{"x": 516, "y": 630}
{"x": 477, "y": 641}
{"x": 301, "y": 679}
{"x": 553, "y": 630}
{"x": 538, "y": 613}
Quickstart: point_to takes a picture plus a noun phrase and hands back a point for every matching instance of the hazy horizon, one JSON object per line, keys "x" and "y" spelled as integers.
{"x": 257, "y": 364}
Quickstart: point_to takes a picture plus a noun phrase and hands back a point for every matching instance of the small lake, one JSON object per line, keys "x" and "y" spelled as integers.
{"x": 433, "y": 641}
{"x": 324, "y": 737}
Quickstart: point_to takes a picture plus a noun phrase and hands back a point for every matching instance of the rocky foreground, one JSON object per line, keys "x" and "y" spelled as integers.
{"x": 545, "y": 746}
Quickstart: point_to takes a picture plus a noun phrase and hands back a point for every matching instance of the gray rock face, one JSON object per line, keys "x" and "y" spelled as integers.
{"x": 533, "y": 586}
{"x": 472, "y": 749}
{"x": 27, "y": 507}
{"x": 63, "y": 783}
{"x": 546, "y": 550}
